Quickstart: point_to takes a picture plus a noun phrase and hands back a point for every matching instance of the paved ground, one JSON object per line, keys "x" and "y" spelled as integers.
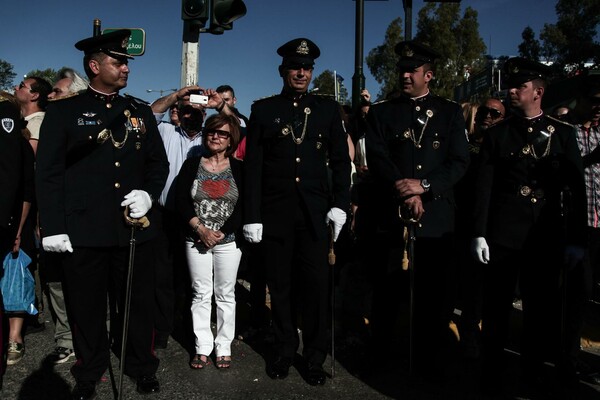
{"x": 35, "y": 379}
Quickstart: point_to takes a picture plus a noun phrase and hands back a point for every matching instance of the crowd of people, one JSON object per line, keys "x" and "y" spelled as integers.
{"x": 448, "y": 207}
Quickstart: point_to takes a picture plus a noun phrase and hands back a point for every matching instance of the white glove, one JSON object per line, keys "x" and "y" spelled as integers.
{"x": 57, "y": 243}
{"x": 139, "y": 203}
{"x": 573, "y": 256}
{"x": 253, "y": 232}
{"x": 480, "y": 250}
{"x": 338, "y": 217}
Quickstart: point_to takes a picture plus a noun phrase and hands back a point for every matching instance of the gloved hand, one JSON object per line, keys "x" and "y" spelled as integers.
{"x": 480, "y": 250}
{"x": 338, "y": 218}
{"x": 57, "y": 243}
{"x": 139, "y": 203}
{"x": 573, "y": 256}
{"x": 253, "y": 232}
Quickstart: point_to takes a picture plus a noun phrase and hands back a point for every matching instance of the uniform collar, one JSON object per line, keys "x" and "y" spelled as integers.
{"x": 107, "y": 98}
{"x": 293, "y": 95}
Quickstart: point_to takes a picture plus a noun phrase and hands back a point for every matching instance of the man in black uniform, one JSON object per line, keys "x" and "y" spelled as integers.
{"x": 101, "y": 152}
{"x": 292, "y": 140}
{"x": 417, "y": 151}
{"x": 530, "y": 207}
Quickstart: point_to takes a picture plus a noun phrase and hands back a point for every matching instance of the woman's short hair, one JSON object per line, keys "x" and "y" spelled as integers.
{"x": 216, "y": 121}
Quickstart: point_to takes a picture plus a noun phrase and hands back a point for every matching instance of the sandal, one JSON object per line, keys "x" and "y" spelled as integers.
{"x": 223, "y": 363}
{"x": 199, "y": 361}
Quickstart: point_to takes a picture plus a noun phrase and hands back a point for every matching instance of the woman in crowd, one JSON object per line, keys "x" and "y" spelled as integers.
{"x": 208, "y": 198}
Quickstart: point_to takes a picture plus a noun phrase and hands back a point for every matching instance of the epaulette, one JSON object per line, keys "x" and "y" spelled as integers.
{"x": 560, "y": 121}
{"x": 63, "y": 97}
{"x": 135, "y": 99}
{"x": 264, "y": 98}
{"x": 2, "y": 98}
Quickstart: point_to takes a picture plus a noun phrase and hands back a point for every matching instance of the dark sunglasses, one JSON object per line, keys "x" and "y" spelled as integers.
{"x": 594, "y": 100}
{"x": 219, "y": 133}
{"x": 484, "y": 111}
{"x": 23, "y": 85}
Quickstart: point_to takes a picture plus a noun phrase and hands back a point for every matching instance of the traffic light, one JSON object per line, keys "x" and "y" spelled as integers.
{"x": 224, "y": 12}
{"x": 195, "y": 12}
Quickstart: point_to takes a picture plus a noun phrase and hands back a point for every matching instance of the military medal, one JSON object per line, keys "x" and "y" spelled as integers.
{"x": 525, "y": 191}
{"x": 319, "y": 144}
{"x": 406, "y": 134}
{"x": 138, "y": 145}
{"x": 436, "y": 144}
{"x": 525, "y": 150}
{"x": 429, "y": 113}
{"x": 103, "y": 136}
{"x": 286, "y": 130}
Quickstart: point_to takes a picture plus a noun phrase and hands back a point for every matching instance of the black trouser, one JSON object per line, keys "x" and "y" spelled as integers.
{"x": 434, "y": 293}
{"x": 91, "y": 274}
{"x": 168, "y": 247}
{"x": 537, "y": 267}
{"x": 296, "y": 261}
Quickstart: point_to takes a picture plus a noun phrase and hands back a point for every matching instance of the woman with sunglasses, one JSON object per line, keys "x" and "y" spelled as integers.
{"x": 208, "y": 198}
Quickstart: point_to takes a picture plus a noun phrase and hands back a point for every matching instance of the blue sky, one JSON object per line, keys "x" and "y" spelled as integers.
{"x": 40, "y": 34}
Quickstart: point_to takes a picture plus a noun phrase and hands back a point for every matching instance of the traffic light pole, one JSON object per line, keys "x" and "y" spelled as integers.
{"x": 358, "y": 79}
{"x": 189, "y": 54}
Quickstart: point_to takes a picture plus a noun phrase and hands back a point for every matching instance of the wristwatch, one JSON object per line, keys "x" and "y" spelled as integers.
{"x": 425, "y": 185}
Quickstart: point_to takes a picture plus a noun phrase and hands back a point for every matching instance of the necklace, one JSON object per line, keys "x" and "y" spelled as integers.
{"x": 300, "y": 139}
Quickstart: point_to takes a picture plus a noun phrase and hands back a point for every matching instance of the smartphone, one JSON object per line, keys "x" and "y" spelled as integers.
{"x": 198, "y": 99}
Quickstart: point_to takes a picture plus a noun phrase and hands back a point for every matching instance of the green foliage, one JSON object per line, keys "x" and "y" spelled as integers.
{"x": 570, "y": 42}
{"x": 325, "y": 83}
{"x": 7, "y": 75}
{"x": 456, "y": 39}
{"x": 530, "y": 47}
{"x": 48, "y": 74}
{"x": 381, "y": 60}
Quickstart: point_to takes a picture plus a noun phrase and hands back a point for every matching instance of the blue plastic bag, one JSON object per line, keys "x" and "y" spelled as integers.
{"x": 17, "y": 284}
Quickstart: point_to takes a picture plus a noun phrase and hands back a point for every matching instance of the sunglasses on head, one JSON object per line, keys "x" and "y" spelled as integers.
{"x": 219, "y": 133}
{"x": 484, "y": 111}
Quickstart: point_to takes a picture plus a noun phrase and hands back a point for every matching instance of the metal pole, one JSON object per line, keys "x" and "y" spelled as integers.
{"x": 189, "y": 54}
{"x": 407, "y": 19}
{"x": 358, "y": 79}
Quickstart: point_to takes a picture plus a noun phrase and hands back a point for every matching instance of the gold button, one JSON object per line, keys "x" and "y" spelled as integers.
{"x": 417, "y": 108}
{"x": 295, "y": 104}
{"x": 533, "y": 200}
{"x": 297, "y": 179}
{"x": 90, "y": 138}
{"x": 108, "y": 105}
{"x": 419, "y": 167}
{"x": 297, "y": 159}
{"x": 117, "y": 185}
{"x": 117, "y": 164}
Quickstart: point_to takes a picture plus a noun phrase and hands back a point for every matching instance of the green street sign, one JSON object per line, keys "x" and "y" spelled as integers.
{"x": 137, "y": 40}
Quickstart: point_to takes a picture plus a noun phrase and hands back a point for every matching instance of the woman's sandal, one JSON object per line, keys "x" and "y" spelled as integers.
{"x": 199, "y": 361}
{"x": 223, "y": 363}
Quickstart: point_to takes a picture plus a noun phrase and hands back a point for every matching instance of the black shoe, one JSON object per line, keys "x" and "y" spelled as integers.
{"x": 84, "y": 390}
{"x": 315, "y": 375}
{"x": 280, "y": 368}
{"x": 148, "y": 384}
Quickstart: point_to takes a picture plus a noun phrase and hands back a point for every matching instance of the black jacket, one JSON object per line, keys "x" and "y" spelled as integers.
{"x": 81, "y": 183}
{"x": 441, "y": 157}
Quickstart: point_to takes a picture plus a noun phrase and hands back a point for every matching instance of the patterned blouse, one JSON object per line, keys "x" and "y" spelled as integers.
{"x": 214, "y": 196}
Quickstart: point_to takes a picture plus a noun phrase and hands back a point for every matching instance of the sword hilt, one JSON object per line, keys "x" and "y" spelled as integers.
{"x": 140, "y": 223}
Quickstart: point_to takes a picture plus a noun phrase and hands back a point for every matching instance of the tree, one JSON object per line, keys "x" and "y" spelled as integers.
{"x": 456, "y": 39}
{"x": 7, "y": 75}
{"x": 530, "y": 47}
{"x": 48, "y": 74}
{"x": 382, "y": 59}
{"x": 325, "y": 85}
{"x": 571, "y": 40}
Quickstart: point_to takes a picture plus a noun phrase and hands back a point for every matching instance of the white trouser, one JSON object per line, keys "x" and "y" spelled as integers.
{"x": 224, "y": 260}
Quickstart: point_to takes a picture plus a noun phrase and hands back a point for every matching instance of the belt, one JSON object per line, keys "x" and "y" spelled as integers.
{"x": 534, "y": 194}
